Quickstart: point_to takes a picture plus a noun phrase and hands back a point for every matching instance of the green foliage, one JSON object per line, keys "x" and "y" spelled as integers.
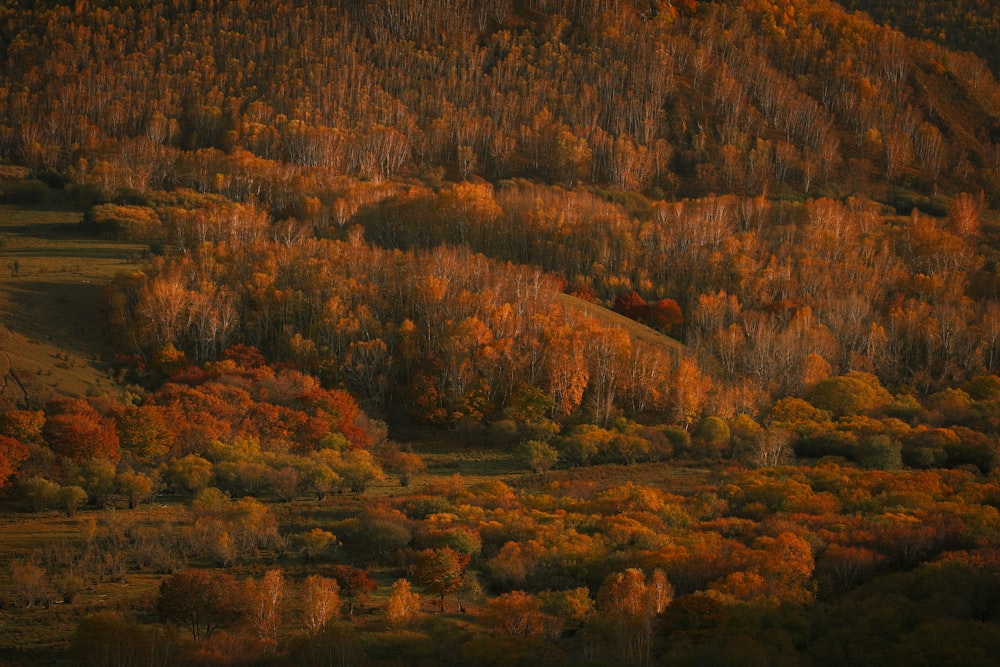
{"x": 38, "y": 492}
{"x": 880, "y": 453}
{"x": 795, "y": 413}
{"x": 583, "y": 443}
{"x": 70, "y": 498}
{"x": 851, "y": 394}
{"x": 109, "y": 638}
{"x": 983, "y": 387}
{"x": 189, "y": 473}
{"x": 712, "y": 436}
{"x": 538, "y": 456}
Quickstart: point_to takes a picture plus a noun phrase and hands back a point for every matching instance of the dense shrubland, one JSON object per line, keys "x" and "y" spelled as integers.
{"x": 416, "y": 218}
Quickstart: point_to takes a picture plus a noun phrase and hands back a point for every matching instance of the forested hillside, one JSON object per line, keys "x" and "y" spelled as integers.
{"x": 964, "y": 26}
{"x": 642, "y": 332}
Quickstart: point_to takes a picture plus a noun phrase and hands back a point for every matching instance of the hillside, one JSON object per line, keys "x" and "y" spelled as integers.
{"x": 507, "y": 332}
{"x": 55, "y": 339}
{"x": 963, "y": 26}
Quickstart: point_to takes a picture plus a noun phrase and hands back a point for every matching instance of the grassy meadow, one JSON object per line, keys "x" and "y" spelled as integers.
{"x": 53, "y": 332}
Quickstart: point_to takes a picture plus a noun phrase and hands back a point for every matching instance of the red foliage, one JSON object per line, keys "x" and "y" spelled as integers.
{"x": 245, "y": 356}
{"x": 12, "y": 453}
{"x": 632, "y": 306}
{"x": 355, "y": 584}
{"x": 665, "y": 314}
{"x": 73, "y": 428}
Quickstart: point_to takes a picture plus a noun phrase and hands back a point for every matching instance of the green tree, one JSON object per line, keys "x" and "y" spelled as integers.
{"x": 38, "y": 492}
{"x": 713, "y": 434}
{"x": 539, "y": 456}
{"x": 136, "y": 487}
{"x": 189, "y": 473}
{"x": 851, "y": 394}
{"x": 70, "y": 498}
{"x": 108, "y": 639}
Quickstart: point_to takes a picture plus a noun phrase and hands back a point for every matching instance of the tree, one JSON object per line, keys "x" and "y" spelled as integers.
{"x": 29, "y": 584}
{"x": 136, "y": 487}
{"x": 632, "y": 306}
{"x": 665, "y": 314}
{"x": 73, "y": 428}
{"x": 38, "y": 492}
{"x": 359, "y": 470}
{"x": 854, "y": 393}
{"x": 771, "y": 447}
{"x": 403, "y": 604}
{"x": 97, "y": 477}
{"x": 203, "y": 601}
{"x": 630, "y": 605}
{"x": 314, "y": 542}
{"x": 713, "y": 434}
{"x": 12, "y": 454}
{"x": 539, "y": 456}
{"x": 355, "y": 584}
{"x": 71, "y": 497}
{"x": 441, "y": 570}
{"x": 108, "y": 639}
{"x": 144, "y": 433}
{"x": 320, "y": 602}
{"x": 406, "y": 465}
{"x": 517, "y": 614}
{"x": 263, "y": 608}
{"x": 189, "y": 473}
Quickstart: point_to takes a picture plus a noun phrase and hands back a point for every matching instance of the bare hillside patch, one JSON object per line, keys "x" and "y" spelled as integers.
{"x": 54, "y": 337}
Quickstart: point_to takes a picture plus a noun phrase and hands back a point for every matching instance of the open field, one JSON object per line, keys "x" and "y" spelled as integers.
{"x": 53, "y": 333}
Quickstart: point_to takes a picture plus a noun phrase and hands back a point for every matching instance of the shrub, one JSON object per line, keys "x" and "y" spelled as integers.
{"x": 132, "y": 223}
{"x": 31, "y": 191}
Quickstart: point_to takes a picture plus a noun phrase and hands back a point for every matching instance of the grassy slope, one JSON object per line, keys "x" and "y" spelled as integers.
{"x": 53, "y": 332}
{"x": 639, "y": 333}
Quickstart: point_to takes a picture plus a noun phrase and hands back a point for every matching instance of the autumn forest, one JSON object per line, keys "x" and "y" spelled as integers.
{"x": 499, "y": 332}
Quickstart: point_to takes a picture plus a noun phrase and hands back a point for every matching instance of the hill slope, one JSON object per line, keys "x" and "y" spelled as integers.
{"x": 54, "y": 338}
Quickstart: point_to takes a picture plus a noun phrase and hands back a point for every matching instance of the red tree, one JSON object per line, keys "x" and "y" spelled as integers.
{"x": 12, "y": 453}
{"x": 665, "y": 314}
{"x": 75, "y": 429}
{"x": 631, "y": 305}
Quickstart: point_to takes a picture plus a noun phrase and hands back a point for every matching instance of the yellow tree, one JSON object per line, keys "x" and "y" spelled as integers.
{"x": 630, "y": 605}
{"x": 320, "y": 602}
{"x": 263, "y": 598}
{"x": 403, "y": 604}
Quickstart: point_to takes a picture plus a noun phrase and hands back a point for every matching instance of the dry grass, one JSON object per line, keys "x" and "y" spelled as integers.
{"x": 640, "y": 333}
{"x": 53, "y": 330}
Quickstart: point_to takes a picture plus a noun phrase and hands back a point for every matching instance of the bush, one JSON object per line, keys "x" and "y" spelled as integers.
{"x": 881, "y": 453}
{"x": 39, "y": 493}
{"x": 851, "y": 394}
{"x": 85, "y": 195}
{"x": 30, "y": 191}
{"x": 713, "y": 436}
{"x": 124, "y": 222}
{"x": 538, "y": 456}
